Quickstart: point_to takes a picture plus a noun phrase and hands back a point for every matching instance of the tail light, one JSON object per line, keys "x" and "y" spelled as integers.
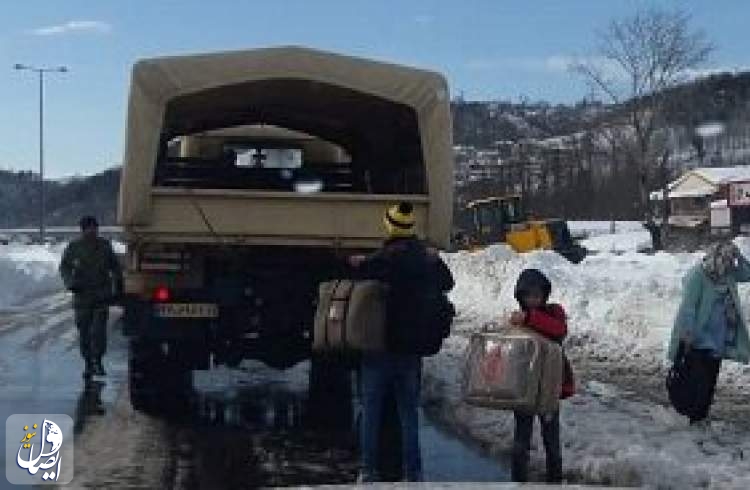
{"x": 162, "y": 294}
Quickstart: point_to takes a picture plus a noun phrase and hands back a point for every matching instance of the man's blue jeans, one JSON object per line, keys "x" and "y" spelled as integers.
{"x": 382, "y": 372}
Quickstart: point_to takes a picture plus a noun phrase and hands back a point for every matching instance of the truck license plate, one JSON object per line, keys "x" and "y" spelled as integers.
{"x": 187, "y": 310}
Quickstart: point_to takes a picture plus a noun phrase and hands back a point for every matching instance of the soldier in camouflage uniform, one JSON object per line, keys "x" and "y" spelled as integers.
{"x": 89, "y": 268}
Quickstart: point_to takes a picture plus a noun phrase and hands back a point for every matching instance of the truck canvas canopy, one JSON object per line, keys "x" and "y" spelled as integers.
{"x": 393, "y": 122}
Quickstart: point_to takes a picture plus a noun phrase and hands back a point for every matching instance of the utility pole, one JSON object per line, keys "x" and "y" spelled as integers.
{"x": 40, "y": 71}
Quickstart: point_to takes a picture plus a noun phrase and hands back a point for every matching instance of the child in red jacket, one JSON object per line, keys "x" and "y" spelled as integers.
{"x": 532, "y": 292}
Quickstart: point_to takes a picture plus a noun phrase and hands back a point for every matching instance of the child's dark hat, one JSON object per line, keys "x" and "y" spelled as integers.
{"x": 532, "y": 280}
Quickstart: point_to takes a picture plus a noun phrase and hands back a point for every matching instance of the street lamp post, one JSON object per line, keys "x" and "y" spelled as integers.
{"x": 41, "y": 71}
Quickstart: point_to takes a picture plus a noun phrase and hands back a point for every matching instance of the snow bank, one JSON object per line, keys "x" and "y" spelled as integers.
{"x": 596, "y": 228}
{"x": 619, "y": 305}
{"x": 626, "y": 302}
{"x": 27, "y": 271}
{"x": 607, "y": 439}
{"x": 632, "y": 241}
{"x": 621, "y": 308}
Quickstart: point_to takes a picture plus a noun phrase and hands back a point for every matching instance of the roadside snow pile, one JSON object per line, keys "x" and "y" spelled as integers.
{"x": 624, "y": 303}
{"x": 597, "y": 228}
{"x": 621, "y": 308}
{"x": 27, "y": 271}
{"x": 628, "y": 236}
{"x": 632, "y": 241}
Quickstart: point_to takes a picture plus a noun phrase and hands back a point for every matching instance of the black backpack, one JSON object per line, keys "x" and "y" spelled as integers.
{"x": 679, "y": 385}
{"x": 434, "y": 323}
{"x": 419, "y": 311}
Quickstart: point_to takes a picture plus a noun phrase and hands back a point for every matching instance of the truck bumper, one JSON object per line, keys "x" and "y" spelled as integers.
{"x": 231, "y": 337}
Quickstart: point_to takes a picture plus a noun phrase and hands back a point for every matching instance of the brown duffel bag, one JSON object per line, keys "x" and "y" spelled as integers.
{"x": 351, "y": 316}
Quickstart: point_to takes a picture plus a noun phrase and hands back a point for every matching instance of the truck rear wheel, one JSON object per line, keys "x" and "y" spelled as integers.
{"x": 157, "y": 384}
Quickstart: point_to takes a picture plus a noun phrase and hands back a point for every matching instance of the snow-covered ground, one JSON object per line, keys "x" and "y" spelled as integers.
{"x": 617, "y": 430}
{"x": 27, "y": 271}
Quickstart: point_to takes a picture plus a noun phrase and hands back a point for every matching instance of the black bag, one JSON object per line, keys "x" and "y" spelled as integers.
{"x": 679, "y": 384}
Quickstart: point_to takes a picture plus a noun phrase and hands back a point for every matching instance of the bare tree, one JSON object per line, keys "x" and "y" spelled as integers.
{"x": 639, "y": 58}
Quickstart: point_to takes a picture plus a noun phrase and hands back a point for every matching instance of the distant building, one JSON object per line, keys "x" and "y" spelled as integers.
{"x": 703, "y": 193}
{"x": 473, "y": 165}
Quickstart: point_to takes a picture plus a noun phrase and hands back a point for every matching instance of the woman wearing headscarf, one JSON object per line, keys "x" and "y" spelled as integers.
{"x": 709, "y": 322}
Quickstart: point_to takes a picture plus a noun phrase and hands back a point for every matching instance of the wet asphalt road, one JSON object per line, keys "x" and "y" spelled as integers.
{"x": 240, "y": 428}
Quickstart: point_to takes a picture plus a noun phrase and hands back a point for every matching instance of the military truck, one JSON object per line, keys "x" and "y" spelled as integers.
{"x": 248, "y": 178}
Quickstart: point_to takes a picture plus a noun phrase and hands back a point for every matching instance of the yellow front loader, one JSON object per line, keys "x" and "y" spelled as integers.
{"x": 502, "y": 220}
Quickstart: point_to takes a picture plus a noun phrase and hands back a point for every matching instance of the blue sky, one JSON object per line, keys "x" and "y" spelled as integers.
{"x": 488, "y": 49}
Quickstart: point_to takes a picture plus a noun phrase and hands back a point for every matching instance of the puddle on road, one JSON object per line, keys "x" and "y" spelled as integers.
{"x": 245, "y": 433}
{"x": 449, "y": 459}
{"x": 255, "y": 428}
